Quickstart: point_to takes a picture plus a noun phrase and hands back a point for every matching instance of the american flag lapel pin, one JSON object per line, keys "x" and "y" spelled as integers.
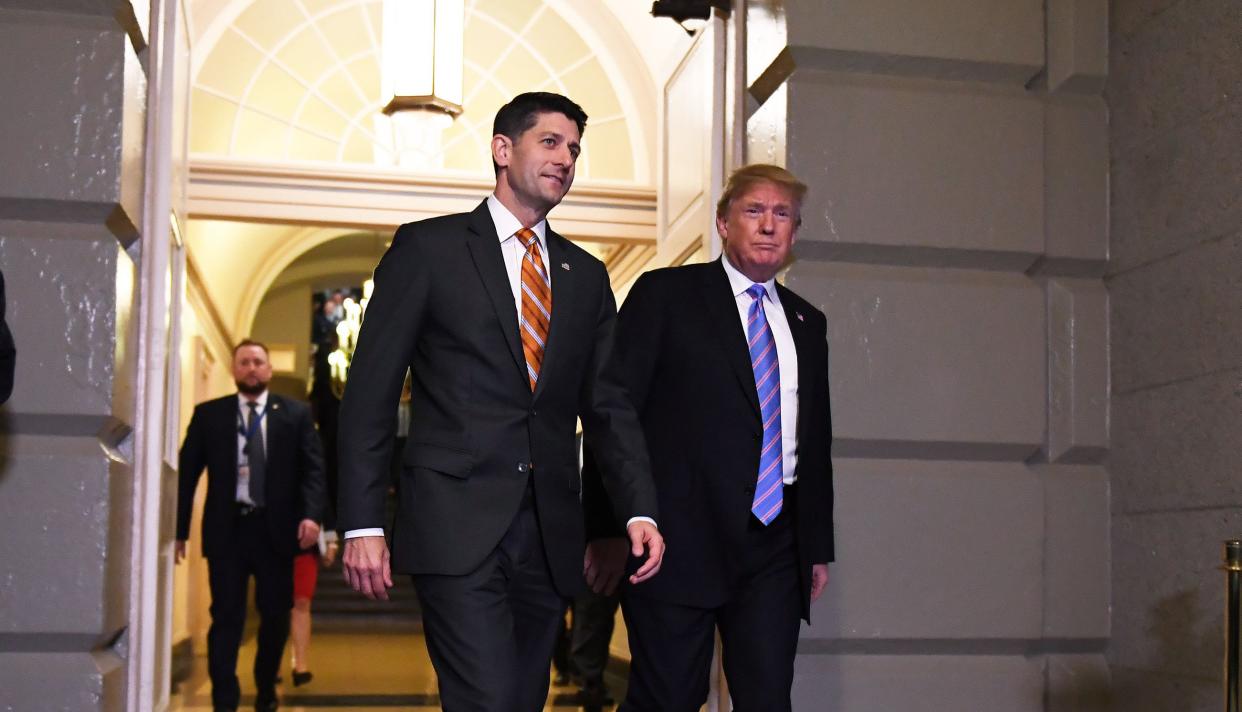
{"x": 275, "y": 406}
{"x": 565, "y": 266}
{"x": 799, "y": 315}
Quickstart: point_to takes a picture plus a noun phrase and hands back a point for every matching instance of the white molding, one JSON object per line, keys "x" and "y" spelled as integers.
{"x": 326, "y": 199}
{"x": 267, "y": 272}
{"x": 150, "y": 588}
{"x": 326, "y": 195}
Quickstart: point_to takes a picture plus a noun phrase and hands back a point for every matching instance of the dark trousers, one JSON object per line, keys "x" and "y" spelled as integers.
{"x": 595, "y": 615}
{"x": 229, "y": 576}
{"x": 490, "y": 633}
{"x": 672, "y": 644}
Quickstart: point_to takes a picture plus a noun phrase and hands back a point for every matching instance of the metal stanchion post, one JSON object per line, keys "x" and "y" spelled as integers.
{"x": 1233, "y": 574}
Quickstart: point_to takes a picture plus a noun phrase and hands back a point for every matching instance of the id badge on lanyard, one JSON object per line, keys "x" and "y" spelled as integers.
{"x": 243, "y": 461}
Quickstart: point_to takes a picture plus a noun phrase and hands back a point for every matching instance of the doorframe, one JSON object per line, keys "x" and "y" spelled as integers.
{"x": 150, "y": 596}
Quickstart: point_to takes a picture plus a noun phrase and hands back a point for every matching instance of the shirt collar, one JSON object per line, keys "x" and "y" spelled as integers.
{"x": 507, "y": 225}
{"x": 261, "y": 399}
{"x": 740, "y": 282}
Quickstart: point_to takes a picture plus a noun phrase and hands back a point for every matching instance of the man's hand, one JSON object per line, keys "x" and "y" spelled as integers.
{"x": 366, "y": 566}
{"x": 604, "y": 564}
{"x": 819, "y": 580}
{"x": 308, "y": 533}
{"x": 644, "y": 535}
{"x": 179, "y": 551}
{"x": 329, "y": 554}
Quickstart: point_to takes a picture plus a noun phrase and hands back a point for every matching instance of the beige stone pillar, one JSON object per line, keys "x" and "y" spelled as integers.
{"x": 955, "y": 234}
{"x": 71, "y": 143}
{"x": 1175, "y": 280}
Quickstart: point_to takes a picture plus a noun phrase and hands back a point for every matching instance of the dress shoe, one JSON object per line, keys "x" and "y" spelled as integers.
{"x": 595, "y": 693}
{"x": 266, "y": 702}
{"x": 301, "y": 678}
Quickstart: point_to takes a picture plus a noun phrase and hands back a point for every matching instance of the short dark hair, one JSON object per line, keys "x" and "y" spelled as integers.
{"x": 520, "y": 114}
{"x": 250, "y": 342}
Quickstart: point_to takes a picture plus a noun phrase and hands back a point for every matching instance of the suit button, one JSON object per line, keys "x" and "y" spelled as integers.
{"x": 533, "y": 412}
{"x": 523, "y": 467}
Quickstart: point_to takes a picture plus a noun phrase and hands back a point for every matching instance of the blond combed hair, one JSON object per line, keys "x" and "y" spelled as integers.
{"x": 747, "y": 177}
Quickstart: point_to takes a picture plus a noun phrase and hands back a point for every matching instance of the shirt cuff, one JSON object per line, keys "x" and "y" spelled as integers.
{"x": 354, "y": 533}
{"x": 648, "y": 520}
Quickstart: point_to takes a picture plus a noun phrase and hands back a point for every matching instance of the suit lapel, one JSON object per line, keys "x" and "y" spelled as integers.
{"x": 275, "y": 424}
{"x": 565, "y": 289}
{"x": 484, "y": 246}
{"x": 230, "y": 410}
{"x": 722, "y": 308}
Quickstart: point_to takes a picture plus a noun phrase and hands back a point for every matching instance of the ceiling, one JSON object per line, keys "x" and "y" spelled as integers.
{"x": 299, "y": 80}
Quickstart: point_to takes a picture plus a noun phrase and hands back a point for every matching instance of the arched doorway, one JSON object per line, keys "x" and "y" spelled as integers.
{"x": 293, "y": 186}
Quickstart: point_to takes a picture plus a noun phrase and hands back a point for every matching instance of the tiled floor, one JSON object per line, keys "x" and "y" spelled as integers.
{"x": 359, "y": 672}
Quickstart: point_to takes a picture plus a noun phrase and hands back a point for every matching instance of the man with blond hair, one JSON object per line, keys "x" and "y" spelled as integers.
{"x": 728, "y": 371}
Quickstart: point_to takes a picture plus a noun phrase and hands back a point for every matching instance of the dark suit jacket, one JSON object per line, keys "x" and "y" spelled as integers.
{"x": 294, "y": 489}
{"x": 443, "y": 307}
{"x": 8, "y": 353}
{"x": 682, "y": 348}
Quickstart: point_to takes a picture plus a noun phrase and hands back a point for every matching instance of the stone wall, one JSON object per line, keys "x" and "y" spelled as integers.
{"x": 955, "y": 234}
{"x": 71, "y": 143}
{"x": 1175, "y": 281}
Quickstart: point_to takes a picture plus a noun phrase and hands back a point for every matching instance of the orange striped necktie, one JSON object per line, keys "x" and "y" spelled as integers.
{"x": 536, "y": 313}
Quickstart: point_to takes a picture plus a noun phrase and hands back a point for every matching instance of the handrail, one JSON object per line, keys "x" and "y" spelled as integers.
{"x": 1233, "y": 576}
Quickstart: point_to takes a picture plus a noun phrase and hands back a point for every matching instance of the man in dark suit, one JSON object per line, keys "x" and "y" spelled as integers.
{"x": 504, "y": 326}
{"x": 729, "y": 373}
{"x": 265, "y": 500}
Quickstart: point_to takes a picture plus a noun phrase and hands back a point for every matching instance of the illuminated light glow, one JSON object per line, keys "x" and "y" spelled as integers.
{"x": 423, "y": 55}
{"x": 422, "y": 77}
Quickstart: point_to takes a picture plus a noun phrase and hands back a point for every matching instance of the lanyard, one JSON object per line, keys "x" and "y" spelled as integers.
{"x": 248, "y": 433}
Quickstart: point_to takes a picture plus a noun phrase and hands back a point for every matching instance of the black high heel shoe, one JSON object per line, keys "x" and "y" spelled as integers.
{"x": 301, "y": 678}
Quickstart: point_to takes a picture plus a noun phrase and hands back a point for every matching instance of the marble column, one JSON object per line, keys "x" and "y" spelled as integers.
{"x": 956, "y": 235}
{"x": 71, "y": 143}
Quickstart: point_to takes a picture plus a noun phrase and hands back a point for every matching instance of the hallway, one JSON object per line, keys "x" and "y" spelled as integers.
{"x": 1022, "y": 224}
{"x": 367, "y": 656}
{"x": 375, "y": 671}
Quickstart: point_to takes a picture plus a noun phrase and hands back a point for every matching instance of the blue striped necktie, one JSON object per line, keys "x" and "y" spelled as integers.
{"x": 768, "y": 496}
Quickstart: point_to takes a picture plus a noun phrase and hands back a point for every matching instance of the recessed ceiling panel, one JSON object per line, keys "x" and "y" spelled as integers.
{"x": 316, "y": 115}
{"x": 306, "y": 51}
{"x": 559, "y": 44}
{"x": 275, "y": 92}
{"x": 514, "y": 14}
{"x": 268, "y": 23}
{"x": 216, "y": 116}
{"x": 292, "y": 78}
{"x": 231, "y": 77}
{"x": 259, "y": 136}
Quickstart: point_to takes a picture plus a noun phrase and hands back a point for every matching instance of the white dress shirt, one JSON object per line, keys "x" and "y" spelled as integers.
{"x": 513, "y": 251}
{"x": 243, "y": 412}
{"x": 786, "y": 355}
{"x": 512, "y": 248}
